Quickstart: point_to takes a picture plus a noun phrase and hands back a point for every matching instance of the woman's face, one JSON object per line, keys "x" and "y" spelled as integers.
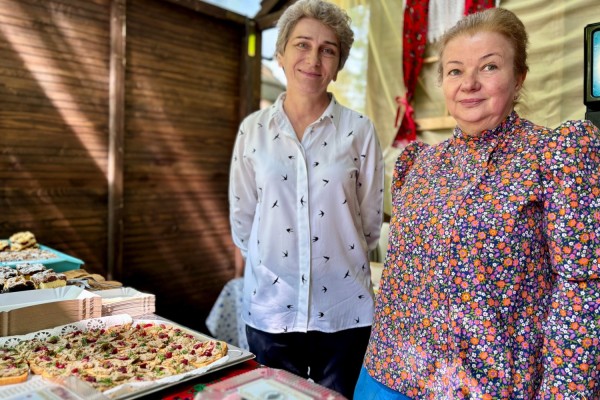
{"x": 478, "y": 80}
{"x": 311, "y": 58}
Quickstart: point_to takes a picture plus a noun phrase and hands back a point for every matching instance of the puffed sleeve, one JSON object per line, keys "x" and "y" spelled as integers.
{"x": 242, "y": 192}
{"x": 404, "y": 163}
{"x": 570, "y": 165}
{"x": 370, "y": 196}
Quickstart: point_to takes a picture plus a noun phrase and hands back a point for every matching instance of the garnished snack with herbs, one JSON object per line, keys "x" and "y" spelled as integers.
{"x": 109, "y": 357}
{"x": 13, "y": 367}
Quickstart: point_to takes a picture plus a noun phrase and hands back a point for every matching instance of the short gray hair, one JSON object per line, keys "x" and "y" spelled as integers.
{"x": 327, "y": 13}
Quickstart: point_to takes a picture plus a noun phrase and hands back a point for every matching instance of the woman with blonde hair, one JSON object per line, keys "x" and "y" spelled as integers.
{"x": 491, "y": 283}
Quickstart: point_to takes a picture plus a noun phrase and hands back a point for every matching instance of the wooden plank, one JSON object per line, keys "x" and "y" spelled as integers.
{"x": 22, "y": 32}
{"x": 63, "y": 145}
{"x": 45, "y": 61}
{"x": 184, "y": 30}
{"x": 56, "y": 91}
{"x": 47, "y": 192}
{"x": 268, "y": 21}
{"x": 269, "y": 6}
{"x": 435, "y": 123}
{"x": 51, "y": 181}
{"x": 196, "y": 49}
{"x": 65, "y": 8}
{"x": 179, "y": 94}
{"x": 36, "y": 164}
{"x": 45, "y": 31}
{"x": 54, "y": 12}
{"x": 73, "y": 110}
{"x": 209, "y": 9}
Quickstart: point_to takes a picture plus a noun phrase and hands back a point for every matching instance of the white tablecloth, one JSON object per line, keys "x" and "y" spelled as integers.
{"x": 224, "y": 320}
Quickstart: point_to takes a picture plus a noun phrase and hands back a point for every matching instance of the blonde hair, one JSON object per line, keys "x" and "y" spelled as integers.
{"x": 327, "y": 13}
{"x": 498, "y": 20}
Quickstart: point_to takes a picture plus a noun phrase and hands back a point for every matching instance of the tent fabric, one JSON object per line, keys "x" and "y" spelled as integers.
{"x": 553, "y": 89}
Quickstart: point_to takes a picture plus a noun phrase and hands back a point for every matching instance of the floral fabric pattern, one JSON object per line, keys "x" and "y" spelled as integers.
{"x": 491, "y": 285}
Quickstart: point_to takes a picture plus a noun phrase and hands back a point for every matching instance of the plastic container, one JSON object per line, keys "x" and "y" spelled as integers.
{"x": 267, "y": 384}
{"x": 62, "y": 262}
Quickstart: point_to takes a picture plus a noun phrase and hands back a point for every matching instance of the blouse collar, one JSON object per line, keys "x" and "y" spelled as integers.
{"x": 511, "y": 120}
{"x": 332, "y": 112}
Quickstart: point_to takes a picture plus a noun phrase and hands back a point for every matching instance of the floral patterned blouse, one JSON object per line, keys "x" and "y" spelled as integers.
{"x": 491, "y": 285}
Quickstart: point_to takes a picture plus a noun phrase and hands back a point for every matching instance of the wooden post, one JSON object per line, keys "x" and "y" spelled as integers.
{"x": 251, "y": 70}
{"x": 116, "y": 127}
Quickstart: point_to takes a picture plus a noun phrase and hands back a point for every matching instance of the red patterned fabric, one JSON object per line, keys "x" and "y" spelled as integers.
{"x": 473, "y": 6}
{"x": 414, "y": 38}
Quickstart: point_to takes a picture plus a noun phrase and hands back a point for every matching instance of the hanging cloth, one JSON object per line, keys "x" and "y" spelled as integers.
{"x": 473, "y": 6}
{"x": 415, "y": 34}
{"x": 414, "y": 38}
{"x": 443, "y": 15}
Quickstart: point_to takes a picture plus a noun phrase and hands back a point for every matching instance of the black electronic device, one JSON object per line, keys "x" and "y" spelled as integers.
{"x": 591, "y": 76}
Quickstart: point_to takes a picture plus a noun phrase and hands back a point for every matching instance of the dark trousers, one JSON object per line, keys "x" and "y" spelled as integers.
{"x": 332, "y": 360}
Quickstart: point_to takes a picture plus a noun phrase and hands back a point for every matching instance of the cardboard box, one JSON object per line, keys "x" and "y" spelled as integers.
{"x": 34, "y": 310}
{"x": 126, "y": 300}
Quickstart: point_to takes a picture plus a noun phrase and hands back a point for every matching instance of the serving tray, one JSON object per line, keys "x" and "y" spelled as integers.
{"x": 60, "y": 263}
{"x": 235, "y": 355}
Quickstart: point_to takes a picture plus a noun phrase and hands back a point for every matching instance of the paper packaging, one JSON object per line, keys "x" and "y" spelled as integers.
{"x": 126, "y": 300}
{"x": 33, "y": 310}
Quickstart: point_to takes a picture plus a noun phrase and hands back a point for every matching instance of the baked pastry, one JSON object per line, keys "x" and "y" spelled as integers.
{"x": 48, "y": 279}
{"x": 17, "y": 284}
{"x": 22, "y": 240}
{"x": 4, "y": 245}
{"x": 8, "y": 272}
{"x": 27, "y": 269}
{"x": 13, "y": 367}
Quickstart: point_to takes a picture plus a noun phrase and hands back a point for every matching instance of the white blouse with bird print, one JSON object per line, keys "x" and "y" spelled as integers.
{"x": 305, "y": 215}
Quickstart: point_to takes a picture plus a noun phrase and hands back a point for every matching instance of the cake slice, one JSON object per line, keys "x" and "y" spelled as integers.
{"x": 17, "y": 284}
{"x": 8, "y": 272}
{"x": 28, "y": 269}
{"x": 48, "y": 279}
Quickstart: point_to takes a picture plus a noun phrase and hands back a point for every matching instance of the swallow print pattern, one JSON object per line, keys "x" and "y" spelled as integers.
{"x": 305, "y": 215}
